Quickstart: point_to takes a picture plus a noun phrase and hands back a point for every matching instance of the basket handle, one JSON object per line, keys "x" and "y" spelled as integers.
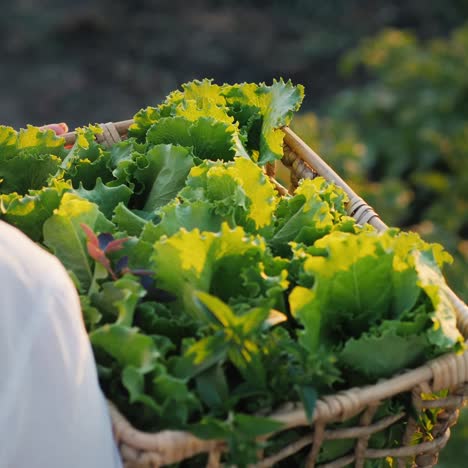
{"x": 114, "y": 128}
{"x": 357, "y": 207}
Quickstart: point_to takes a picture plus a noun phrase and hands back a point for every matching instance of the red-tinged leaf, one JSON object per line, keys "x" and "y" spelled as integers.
{"x": 99, "y": 256}
{"x": 92, "y": 238}
{"x": 95, "y": 252}
{"x": 115, "y": 245}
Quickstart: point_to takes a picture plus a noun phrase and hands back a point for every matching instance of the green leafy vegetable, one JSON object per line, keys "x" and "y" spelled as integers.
{"x": 227, "y": 264}
{"x": 28, "y": 158}
{"x": 107, "y": 198}
{"x": 29, "y": 212}
{"x": 209, "y": 299}
{"x": 316, "y": 209}
{"x": 161, "y": 172}
{"x": 274, "y": 106}
{"x": 64, "y": 235}
{"x": 238, "y": 191}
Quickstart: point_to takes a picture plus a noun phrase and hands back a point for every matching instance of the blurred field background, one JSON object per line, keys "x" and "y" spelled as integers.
{"x": 386, "y": 88}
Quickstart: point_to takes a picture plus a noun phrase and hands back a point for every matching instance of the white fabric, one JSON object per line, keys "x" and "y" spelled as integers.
{"x": 52, "y": 411}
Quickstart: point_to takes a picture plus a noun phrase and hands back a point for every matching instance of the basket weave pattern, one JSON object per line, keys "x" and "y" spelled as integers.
{"x": 449, "y": 372}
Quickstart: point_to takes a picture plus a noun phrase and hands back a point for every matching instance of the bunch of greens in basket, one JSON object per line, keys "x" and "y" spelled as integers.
{"x": 209, "y": 299}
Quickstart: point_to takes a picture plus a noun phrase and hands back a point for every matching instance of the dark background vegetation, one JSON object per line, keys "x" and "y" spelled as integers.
{"x": 99, "y": 60}
{"x": 396, "y": 127}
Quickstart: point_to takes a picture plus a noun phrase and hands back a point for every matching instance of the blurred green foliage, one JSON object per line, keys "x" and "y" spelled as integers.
{"x": 401, "y": 140}
{"x": 456, "y": 452}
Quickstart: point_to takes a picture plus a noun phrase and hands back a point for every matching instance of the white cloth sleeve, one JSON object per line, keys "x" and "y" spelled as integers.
{"x": 52, "y": 411}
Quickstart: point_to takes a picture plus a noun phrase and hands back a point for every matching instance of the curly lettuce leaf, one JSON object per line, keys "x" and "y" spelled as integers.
{"x": 213, "y": 139}
{"x": 65, "y": 237}
{"x": 381, "y": 353}
{"x": 123, "y": 151}
{"x": 122, "y": 160}
{"x": 406, "y": 277}
{"x": 346, "y": 297}
{"x": 207, "y": 137}
{"x": 161, "y": 172}
{"x": 87, "y": 159}
{"x": 107, "y": 198}
{"x": 127, "y": 346}
{"x": 85, "y": 172}
{"x": 171, "y": 130}
{"x": 118, "y": 299}
{"x": 206, "y": 117}
{"x": 211, "y": 182}
{"x": 199, "y": 91}
{"x": 276, "y": 105}
{"x": 28, "y": 158}
{"x": 29, "y": 212}
{"x": 31, "y": 140}
{"x": 201, "y": 101}
{"x": 209, "y": 262}
{"x": 197, "y": 107}
{"x": 389, "y": 347}
{"x": 26, "y": 171}
{"x": 317, "y": 208}
{"x": 143, "y": 120}
{"x": 128, "y": 221}
{"x": 85, "y": 146}
{"x": 444, "y": 334}
{"x": 346, "y": 301}
{"x": 189, "y": 215}
{"x": 197, "y": 118}
{"x": 159, "y": 319}
{"x": 240, "y": 192}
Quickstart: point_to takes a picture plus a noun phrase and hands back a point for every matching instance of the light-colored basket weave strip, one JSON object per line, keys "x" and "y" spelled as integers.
{"x": 353, "y": 433}
{"x": 453, "y": 401}
{"x": 214, "y": 459}
{"x": 120, "y": 128}
{"x": 445, "y": 419}
{"x": 317, "y": 441}
{"x": 175, "y": 448}
{"x": 279, "y": 188}
{"x": 299, "y": 169}
{"x": 270, "y": 169}
{"x": 171, "y": 446}
{"x": 445, "y": 372}
{"x": 362, "y": 441}
{"x": 363, "y": 431}
{"x": 109, "y": 135}
{"x": 410, "y": 429}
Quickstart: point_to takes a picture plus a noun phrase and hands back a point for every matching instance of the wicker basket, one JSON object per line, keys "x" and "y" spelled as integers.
{"x": 449, "y": 372}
